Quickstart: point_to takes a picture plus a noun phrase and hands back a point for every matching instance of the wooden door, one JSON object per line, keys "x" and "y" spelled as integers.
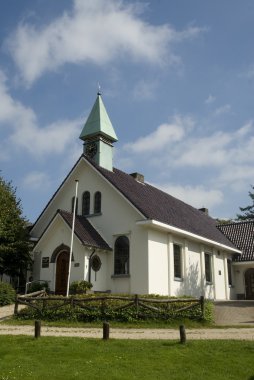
{"x": 249, "y": 284}
{"x": 62, "y": 268}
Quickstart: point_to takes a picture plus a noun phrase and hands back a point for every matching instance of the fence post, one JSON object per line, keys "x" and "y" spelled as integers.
{"x": 202, "y": 305}
{"x": 37, "y": 329}
{"x": 105, "y": 330}
{"x": 182, "y": 334}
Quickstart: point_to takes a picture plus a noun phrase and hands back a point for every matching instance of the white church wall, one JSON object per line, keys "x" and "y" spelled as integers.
{"x": 139, "y": 261}
{"x": 99, "y": 279}
{"x": 220, "y": 276}
{"x": 193, "y": 280}
{"x": 158, "y": 262}
{"x": 58, "y": 234}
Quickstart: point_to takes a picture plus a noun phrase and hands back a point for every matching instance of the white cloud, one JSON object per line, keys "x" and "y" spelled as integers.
{"x": 36, "y": 180}
{"x": 222, "y": 110}
{"x": 205, "y": 151}
{"x": 164, "y": 136}
{"x": 249, "y": 73}
{"x": 94, "y": 31}
{"x": 217, "y": 160}
{"x": 210, "y": 99}
{"x": 144, "y": 90}
{"x": 19, "y": 127}
{"x": 197, "y": 196}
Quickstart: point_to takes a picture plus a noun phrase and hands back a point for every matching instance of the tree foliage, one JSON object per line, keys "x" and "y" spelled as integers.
{"x": 248, "y": 211}
{"x": 14, "y": 238}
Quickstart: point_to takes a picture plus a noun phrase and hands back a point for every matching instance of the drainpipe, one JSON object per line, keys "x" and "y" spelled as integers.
{"x": 89, "y": 265}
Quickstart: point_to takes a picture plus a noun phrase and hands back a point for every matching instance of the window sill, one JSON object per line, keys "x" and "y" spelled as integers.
{"x": 120, "y": 276}
{"x": 209, "y": 283}
{"x": 95, "y": 214}
{"x": 178, "y": 279}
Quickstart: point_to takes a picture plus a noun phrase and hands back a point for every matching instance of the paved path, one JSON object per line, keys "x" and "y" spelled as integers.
{"x": 230, "y": 313}
{"x": 166, "y": 334}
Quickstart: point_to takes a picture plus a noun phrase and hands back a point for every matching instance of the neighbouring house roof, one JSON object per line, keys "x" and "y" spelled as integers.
{"x": 84, "y": 230}
{"x": 158, "y": 205}
{"x": 242, "y": 236}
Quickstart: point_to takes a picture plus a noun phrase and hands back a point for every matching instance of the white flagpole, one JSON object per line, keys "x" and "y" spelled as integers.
{"x": 72, "y": 235}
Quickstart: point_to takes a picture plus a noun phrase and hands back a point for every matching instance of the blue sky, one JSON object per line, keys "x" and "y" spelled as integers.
{"x": 177, "y": 79}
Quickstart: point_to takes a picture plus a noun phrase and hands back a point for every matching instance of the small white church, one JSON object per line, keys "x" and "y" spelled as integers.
{"x": 129, "y": 237}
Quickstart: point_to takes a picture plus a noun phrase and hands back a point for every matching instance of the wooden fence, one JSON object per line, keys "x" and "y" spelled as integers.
{"x": 40, "y": 301}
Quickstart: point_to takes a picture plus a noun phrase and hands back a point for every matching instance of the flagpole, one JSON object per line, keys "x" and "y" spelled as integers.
{"x": 72, "y": 235}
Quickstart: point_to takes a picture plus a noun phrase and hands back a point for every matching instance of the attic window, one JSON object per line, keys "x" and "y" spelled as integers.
{"x": 97, "y": 202}
{"x": 86, "y": 203}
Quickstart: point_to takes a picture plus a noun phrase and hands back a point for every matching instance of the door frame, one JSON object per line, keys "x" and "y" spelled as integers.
{"x": 59, "y": 290}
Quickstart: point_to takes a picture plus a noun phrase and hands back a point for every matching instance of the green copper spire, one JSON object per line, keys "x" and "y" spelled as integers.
{"x": 98, "y": 123}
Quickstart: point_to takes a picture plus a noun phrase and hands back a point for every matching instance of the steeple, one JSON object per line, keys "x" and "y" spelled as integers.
{"x": 98, "y": 135}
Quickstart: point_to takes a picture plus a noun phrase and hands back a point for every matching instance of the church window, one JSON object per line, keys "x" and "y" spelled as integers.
{"x": 208, "y": 268}
{"x": 97, "y": 202}
{"x": 86, "y": 203}
{"x": 177, "y": 261}
{"x": 72, "y": 205}
{"x": 122, "y": 248}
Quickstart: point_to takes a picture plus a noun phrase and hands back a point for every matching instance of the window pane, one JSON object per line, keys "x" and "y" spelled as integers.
{"x": 97, "y": 202}
{"x": 122, "y": 255}
{"x": 208, "y": 272}
{"x": 177, "y": 261}
{"x": 86, "y": 203}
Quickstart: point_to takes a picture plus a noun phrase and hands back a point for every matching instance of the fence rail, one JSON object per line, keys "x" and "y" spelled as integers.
{"x": 40, "y": 301}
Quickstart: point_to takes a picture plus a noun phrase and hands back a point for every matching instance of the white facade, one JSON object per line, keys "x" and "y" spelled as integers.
{"x": 151, "y": 246}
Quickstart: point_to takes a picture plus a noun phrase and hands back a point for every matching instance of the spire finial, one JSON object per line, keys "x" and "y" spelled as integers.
{"x": 99, "y": 89}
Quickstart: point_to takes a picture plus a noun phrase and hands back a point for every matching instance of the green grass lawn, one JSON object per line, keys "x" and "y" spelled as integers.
{"x": 24, "y": 357}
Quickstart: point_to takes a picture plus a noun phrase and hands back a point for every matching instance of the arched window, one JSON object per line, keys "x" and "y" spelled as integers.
{"x": 122, "y": 248}
{"x": 86, "y": 203}
{"x": 72, "y": 205}
{"x": 97, "y": 202}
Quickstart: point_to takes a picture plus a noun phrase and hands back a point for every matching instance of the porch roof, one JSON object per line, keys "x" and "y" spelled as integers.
{"x": 84, "y": 230}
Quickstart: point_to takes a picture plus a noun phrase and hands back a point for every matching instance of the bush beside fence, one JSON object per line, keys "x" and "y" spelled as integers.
{"x": 89, "y": 308}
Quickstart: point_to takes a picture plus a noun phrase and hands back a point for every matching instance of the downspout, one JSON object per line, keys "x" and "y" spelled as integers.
{"x": 89, "y": 265}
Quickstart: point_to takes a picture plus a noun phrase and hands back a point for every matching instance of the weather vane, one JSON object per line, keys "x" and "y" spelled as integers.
{"x": 99, "y": 89}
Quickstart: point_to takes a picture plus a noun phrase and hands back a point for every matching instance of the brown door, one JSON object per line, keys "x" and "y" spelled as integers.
{"x": 249, "y": 284}
{"x": 62, "y": 267}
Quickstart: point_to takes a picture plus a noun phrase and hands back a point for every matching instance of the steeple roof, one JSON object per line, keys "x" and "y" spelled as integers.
{"x": 98, "y": 122}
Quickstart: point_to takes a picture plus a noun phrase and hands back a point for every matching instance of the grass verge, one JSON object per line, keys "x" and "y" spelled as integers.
{"x": 75, "y": 358}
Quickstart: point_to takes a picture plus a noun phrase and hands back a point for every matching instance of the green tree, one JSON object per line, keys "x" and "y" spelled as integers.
{"x": 14, "y": 237}
{"x": 248, "y": 211}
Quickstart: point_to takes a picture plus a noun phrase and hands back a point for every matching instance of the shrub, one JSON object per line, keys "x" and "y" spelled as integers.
{"x": 36, "y": 286}
{"x": 7, "y": 294}
{"x": 89, "y": 308}
{"x": 80, "y": 287}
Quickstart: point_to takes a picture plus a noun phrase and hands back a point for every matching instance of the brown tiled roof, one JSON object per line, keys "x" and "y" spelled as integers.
{"x": 160, "y": 206}
{"x": 85, "y": 231}
{"x": 242, "y": 236}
